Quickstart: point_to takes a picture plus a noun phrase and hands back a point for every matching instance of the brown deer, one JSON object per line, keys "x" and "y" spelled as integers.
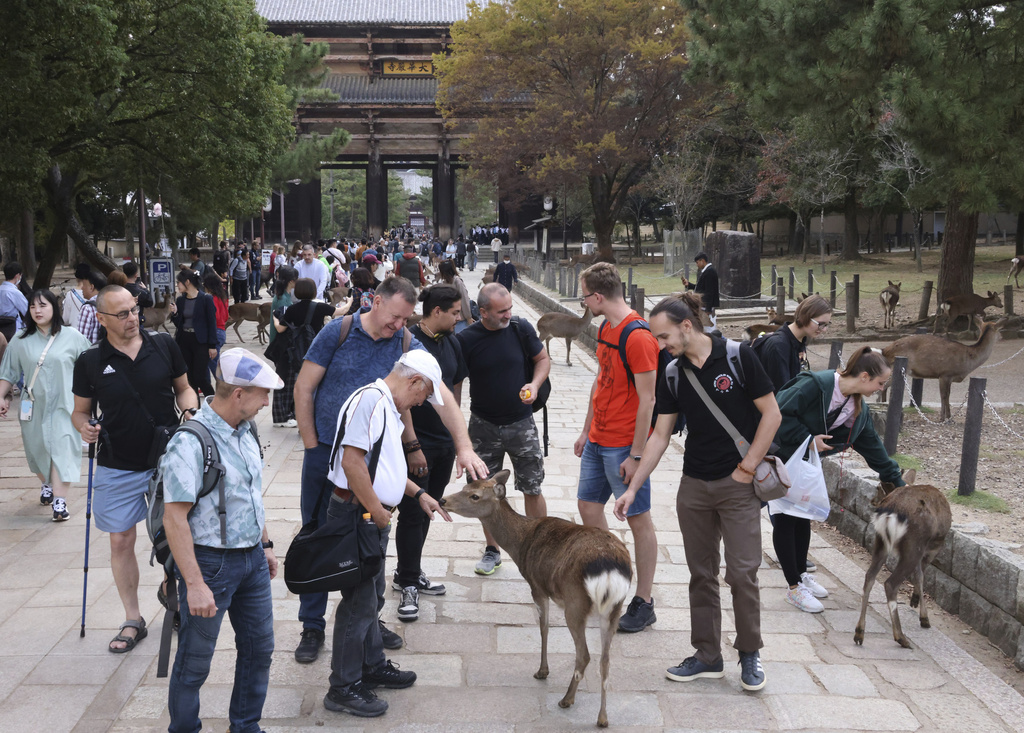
{"x": 563, "y": 325}
{"x": 158, "y": 315}
{"x": 912, "y": 522}
{"x": 890, "y": 298}
{"x": 258, "y": 312}
{"x": 1016, "y": 268}
{"x": 585, "y": 570}
{"x": 965, "y": 305}
{"x": 775, "y": 322}
{"x": 935, "y": 357}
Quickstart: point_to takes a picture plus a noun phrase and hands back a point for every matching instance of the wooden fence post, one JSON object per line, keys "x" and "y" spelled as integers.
{"x": 833, "y": 283}
{"x": 810, "y": 282}
{"x": 894, "y": 415}
{"x": 792, "y": 283}
{"x": 640, "y": 302}
{"x": 926, "y": 300}
{"x": 835, "y": 355}
{"x": 972, "y": 436}
{"x": 917, "y": 385}
{"x": 775, "y": 277}
{"x": 851, "y": 313}
{"x": 780, "y": 298}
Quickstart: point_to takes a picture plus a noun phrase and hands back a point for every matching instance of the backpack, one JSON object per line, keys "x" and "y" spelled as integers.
{"x": 300, "y": 338}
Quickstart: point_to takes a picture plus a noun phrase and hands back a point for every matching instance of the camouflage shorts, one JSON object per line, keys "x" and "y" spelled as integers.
{"x": 520, "y": 441}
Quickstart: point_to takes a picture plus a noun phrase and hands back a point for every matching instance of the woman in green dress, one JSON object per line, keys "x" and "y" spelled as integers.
{"x": 43, "y": 354}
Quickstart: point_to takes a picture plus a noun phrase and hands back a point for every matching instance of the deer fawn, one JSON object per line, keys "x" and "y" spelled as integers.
{"x": 564, "y": 326}
{"x": 890, "y": 298}
{"x": 584, "y": 570}
{"x": 911, "y": 521}
{"x": 965, "y": 305}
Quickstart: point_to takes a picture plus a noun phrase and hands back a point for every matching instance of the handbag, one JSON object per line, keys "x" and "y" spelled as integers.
{"x": 808, "y": 496}
{"x": 771, "y": 479}
{"x": 545, "y": 388}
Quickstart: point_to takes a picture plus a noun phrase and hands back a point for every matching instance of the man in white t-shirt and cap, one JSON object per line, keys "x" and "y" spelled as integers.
{"x": 370, "y": 476}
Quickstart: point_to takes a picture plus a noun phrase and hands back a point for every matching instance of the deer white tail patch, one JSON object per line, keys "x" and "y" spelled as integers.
{"x": 890, "y": 528}
{"x": 606, "y": 589}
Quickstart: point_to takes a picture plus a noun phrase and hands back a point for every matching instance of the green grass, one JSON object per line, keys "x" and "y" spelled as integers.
{"x": 980, "y": 500}
{"x": 911, "y": 410}
{"x": 907, "y": 462}
{"x": 1019, "y": 453}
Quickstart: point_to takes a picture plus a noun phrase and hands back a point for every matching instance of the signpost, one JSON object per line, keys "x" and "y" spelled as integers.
{"x": 161, "y": 275}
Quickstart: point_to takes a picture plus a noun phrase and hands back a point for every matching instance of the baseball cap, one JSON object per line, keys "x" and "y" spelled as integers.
{"x": 422, "y": 362}
{"x": 241, "y": 368}
{"x": 370, "y": 260}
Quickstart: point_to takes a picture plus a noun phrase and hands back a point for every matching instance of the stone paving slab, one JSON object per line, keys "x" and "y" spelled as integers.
{"x": 476, "y": 648}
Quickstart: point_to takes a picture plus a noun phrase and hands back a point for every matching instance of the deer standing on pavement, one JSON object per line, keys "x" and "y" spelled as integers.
{"x": 911, "y": 521}
{"x": 1016, "y": 267}
{"x": 565, "y": 326}
{"x": 971, "y": 304}
{"x": 157, "y": 315}
{"x": 935, "y": 357}
{"x": 583, "y": 569}
{"x": 890, "y": 298}
{"x": 258, "y": 312}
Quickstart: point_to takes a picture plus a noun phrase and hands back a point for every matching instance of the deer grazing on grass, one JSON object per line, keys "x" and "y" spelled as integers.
{"x": 890, "y": 298}
{"x": 563, "y": 325}
{"x": 158, "y": 314}
{"x": 935, "y": 357}
{"x": 965, "y": 305}
{"x": 1016, "y": 268}
{"x": 585, "y": 570}
{"x": 258, "y": 312}
{"x": 912, "y": 522}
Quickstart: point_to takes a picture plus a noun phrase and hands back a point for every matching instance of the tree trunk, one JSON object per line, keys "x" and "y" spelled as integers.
{"x": 1019, "y": 237}
{"x": 956, "y": 269}
{"x": 851, "y": 238}
{"x": 27, "y": 243}
{"x": 604, "y": 218}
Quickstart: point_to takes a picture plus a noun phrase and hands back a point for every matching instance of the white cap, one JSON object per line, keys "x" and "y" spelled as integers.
{"x": 241, "y": 368}
{"x": 422, "y": 362}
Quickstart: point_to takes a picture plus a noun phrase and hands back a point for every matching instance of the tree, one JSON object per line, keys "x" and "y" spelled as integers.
{"x": 566, "y": 90}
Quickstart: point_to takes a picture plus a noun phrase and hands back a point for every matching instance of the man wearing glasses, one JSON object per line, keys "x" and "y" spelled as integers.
{"x": 135, "y": 379}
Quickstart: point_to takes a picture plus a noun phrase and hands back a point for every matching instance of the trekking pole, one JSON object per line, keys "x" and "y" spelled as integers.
{"x": 88, "y": 517}
{"x": 545, "y": 410}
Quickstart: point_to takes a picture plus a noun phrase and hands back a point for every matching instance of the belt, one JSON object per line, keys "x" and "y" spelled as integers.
{"x": 349, "y": 498}
{"x": 189, "y": 330}
{"x": 230, "y": 549}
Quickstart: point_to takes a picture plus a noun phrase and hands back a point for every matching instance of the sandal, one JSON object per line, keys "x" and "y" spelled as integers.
{"x": 140, "y": 633}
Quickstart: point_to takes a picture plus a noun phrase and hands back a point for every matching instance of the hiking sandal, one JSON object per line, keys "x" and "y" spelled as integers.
{"x": 129, "y": 642}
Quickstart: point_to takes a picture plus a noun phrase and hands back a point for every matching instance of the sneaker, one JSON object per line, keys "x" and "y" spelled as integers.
{"x": 390, "y": 677}
{"x": 424, "y": 585}
{"x": 46, "y": 495}
{"x": 489, "y": 562}
{"x": 356, "y": 699}
{"x": 638, "y": 616}
{"x": 802, "y": 599}
{"x": 409, "y": 608}
{"x": 751, "y": 672}
{"x": 808, "y": 581}
{"x": 692, "y": 668}
{"x": 811, "y": 567}
{"x": 309, "y": 646}
{"x": 60, "y": 510}
{"x": 390, "y": 638}
{"x": 292, "y": 423}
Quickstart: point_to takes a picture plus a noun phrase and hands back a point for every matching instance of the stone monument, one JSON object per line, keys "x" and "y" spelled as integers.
{"x": 737, "y": 258}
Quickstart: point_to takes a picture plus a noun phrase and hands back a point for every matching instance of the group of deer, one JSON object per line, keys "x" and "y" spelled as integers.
{"x": 950, "y": 309}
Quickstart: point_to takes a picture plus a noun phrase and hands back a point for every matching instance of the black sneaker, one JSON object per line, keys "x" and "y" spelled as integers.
{"x": 309, "y": 646}
{"x": 638, "y": 616}
{"x": 390, "y": 638}
{"x": 60, "y": 510}
{"x": 390, "y": 677}
{"x": 423, "y": 584}
{"x": 811, "y": 567}
{"x": 751, "y": 672}
{"x": 46, "y": 495}
{"x": 355, "y": 700}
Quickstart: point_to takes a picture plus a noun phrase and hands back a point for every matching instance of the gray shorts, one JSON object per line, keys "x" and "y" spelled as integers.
{"x": 522, "y": 443}
{"x": 119, "y": 501}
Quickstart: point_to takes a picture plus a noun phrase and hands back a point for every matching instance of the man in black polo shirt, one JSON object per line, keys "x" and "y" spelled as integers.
{"x": 501, "y": 419}
{"x": 136, "y": 378}
{"x": 716, "y": 500}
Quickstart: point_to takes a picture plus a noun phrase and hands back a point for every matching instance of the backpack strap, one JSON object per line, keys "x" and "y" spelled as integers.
{"x": 732, "y": 351}
{"x": 374, "y": 450}
{"x": 742, "y": 445}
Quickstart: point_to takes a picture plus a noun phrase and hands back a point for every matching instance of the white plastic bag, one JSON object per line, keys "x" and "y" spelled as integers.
{"x": 808, "y": 496}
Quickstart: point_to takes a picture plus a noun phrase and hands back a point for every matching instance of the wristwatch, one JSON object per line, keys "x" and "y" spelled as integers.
{"x": 268, "y": 545}
{"x": 637, "y": 458}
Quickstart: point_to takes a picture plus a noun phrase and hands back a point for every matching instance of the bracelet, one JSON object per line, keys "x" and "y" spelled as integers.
{"x": 740, "y": 467}
{"x": 268, "y": 545}
{"x": 411, "y": 446}
{"x": 418, "y": 494}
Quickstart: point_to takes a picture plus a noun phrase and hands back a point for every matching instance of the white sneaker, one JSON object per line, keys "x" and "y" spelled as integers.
{"x": 807, "y": 581}
{"x": 802, "y": 599}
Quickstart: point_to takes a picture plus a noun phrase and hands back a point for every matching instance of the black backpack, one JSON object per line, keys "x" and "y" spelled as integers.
{"x": 300, "y": 338}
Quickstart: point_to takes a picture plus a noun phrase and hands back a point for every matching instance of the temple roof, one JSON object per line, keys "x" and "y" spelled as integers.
{"x": 352, "y": 89}
{"x": 365, "y": 12}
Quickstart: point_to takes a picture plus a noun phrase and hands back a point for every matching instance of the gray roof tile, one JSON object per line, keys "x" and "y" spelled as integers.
{"x": 365, "y": 12}
{"x": 358, "y": 90}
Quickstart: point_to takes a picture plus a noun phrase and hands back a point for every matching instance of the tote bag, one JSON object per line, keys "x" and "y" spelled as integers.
{"x": 808, "y": 496}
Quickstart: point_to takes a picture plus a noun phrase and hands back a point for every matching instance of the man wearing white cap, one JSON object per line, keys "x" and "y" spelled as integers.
{"x": 222, "y": 567}
{"x": 370, "y": 476}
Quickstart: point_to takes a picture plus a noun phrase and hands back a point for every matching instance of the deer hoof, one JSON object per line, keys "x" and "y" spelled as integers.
{"x": 902, "y": 641}
{"x": 602, "y": 721}
{"x": 915, "y": 599}
{"x": 925, "y": 623}
{"x": 566, "y": 702}
{"x": 858, "y": 637}
{"x": 542, "y": 674}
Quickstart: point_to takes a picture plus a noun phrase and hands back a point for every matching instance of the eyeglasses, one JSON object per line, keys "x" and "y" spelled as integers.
{"x": 821, "y": 326}
{"x": 123, "y": 315}
{"x": 583, "y": 298}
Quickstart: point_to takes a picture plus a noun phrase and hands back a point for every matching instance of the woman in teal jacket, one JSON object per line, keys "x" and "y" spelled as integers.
{"x": 829, "y": 407}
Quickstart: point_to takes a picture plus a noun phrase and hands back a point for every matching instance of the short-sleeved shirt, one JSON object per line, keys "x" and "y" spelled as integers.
{"x": 430, "y": 429}
{"x": 100, "y": 374}
{"x": 369, "y": 413}
{"x": 182, "y": 472}
{"x": 349, "y": 367}
{"x": 710, "y": 452}
{"x": 615, "y": 399}
{"x": 297, "y": 312}
{"x": 497, "y": 371}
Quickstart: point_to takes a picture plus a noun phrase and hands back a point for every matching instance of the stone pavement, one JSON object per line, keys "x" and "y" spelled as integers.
{"x": 475, "y": 649}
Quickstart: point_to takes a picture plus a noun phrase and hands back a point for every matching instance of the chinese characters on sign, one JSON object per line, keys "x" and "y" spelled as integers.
{"x": 408, "y": 68}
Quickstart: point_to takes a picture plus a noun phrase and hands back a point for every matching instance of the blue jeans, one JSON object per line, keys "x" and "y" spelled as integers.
{"x": 600, "y": 479}
{"x": 315, "y": 487}
{"x": 254, "y": 281}
{"x": 357, "y": 646}
{"x": 471, "y": 256}
{"x": 240, "y": 582}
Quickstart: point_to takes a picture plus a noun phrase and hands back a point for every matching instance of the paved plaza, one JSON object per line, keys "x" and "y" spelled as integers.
{"x": 475, "y": 649}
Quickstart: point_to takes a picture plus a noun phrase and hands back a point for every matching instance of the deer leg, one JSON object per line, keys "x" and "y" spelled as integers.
{"x": 904, "y": 568}
{"x": 608, "y": 627}
{"x": 543, "y": 603}
{"x": 576, "y": 620}
{"x": 568, "y": 348}
{"x": 877, "y": 558}
{"x": 236, "y": 325}
{"x": 945, "y": 413}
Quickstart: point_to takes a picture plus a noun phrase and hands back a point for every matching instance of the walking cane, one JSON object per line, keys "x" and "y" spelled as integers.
{"x": 88, "y": 517}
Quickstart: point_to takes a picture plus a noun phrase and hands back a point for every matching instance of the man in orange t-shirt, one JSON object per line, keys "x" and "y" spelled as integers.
{"x": 618, "y": 423}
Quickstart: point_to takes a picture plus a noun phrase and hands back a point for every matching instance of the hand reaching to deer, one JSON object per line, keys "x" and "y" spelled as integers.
{"x": 623, "y": 503}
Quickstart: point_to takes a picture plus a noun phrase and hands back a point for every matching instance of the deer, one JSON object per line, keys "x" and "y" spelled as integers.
{"x": 258, "y": 312}
{"x": 775, "y": 322}
{"x": 585, "y": 570}
{"x": 338, "y": 294}
{"x": 1016, "y": 268}
{"x": 565, "y": 326}
{"x": 158, "y": 314}
{"x": 890, "y": 298}
{"x": 934, "y": 357}
{"x": 912, "y": 522}
{"x": 971, "y": 304}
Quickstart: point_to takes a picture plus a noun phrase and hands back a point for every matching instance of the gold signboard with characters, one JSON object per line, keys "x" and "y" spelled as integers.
{"x": 408, "y": 68}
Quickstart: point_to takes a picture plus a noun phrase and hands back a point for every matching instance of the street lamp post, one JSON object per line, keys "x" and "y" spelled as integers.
{"x": 549, "y": 204}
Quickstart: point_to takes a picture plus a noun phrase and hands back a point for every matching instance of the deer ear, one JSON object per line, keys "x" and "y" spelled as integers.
{"x": 500, "y": 480}
{"x": 910, "y": 476}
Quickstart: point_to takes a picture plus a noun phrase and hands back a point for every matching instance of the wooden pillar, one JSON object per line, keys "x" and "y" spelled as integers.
{"x": 376, "y": 193}
{"x": 444, "y": 195}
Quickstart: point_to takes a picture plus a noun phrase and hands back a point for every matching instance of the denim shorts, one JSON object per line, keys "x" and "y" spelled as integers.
{"x": 119, "y": 502}
{"x": 599, "y": 478}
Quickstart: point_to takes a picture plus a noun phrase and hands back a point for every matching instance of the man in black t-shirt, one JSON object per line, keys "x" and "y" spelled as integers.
{"x": 501, "y": 419}
{"x": 136, "y": 379}
{"x": 716, "y": 500}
